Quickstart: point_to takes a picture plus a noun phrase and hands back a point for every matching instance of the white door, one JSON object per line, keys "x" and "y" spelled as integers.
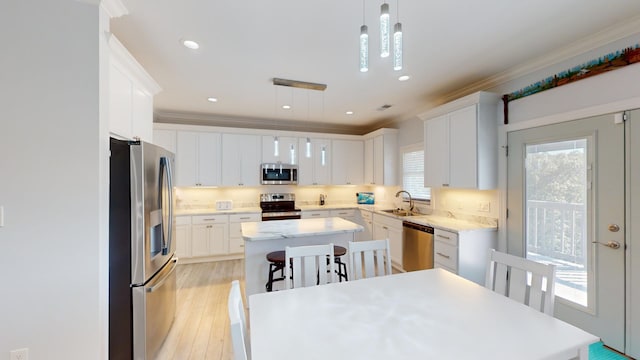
{"x": 566, "y": 205}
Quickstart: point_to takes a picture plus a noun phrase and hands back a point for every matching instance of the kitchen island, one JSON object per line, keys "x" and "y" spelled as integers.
{"x": 261, "y": 238}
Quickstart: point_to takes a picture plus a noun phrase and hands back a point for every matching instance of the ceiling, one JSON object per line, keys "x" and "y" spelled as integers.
{"x": 450, "y": 47}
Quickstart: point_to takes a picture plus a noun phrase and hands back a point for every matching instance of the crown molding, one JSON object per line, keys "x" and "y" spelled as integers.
{"x": 114, "y": 8}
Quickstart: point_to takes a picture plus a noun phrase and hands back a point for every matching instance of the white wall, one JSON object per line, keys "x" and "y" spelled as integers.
{"x": 52, "y": 181}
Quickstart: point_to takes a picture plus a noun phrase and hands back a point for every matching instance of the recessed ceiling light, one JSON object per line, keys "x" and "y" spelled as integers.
{"x": 212, "y": 99}
{"x": 349, "y": 113}
{"x": 404, "y": 78}
{"x": 190, "y": 44}
{"x": 286, "y": 107}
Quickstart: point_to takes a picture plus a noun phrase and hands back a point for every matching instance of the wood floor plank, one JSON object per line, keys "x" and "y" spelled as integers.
{"x": 201, "y": 326}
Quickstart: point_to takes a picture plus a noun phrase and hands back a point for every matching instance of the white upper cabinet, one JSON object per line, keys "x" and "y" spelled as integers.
{"x": 381, "y": 157}
{"x": 165, "y": 138}
{"x": 198, "y": 158}
{"x": 460, "y": 145}
{"x": 131, "y": 92}
{"x": 241, "y": 159}
{"x": 287, "y": 152}
{"x": 347, "y": 162}
{"x": 314, "y": 169}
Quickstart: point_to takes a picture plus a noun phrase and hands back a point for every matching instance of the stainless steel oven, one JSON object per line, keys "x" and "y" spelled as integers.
{"x": 278, "y": 174}
{"x": 279, "y": 206}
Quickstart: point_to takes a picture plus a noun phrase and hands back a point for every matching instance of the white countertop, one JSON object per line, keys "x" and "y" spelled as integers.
{"x": 429, "y": 314}
{"x": 270, "y": 230}
{"x": 210, "y": 211}
{"x": 449, "y": 224}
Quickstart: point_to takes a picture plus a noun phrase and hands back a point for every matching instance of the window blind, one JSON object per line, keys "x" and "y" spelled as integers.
{"x": 413, "y": 174}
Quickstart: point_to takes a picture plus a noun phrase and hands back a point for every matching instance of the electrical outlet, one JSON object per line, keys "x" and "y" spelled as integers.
{"x": 19, "y": 354}
{"x": 484, "y": 206}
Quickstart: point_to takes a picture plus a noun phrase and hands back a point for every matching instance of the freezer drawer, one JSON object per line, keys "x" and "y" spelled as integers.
{"x": 154, "y": 308}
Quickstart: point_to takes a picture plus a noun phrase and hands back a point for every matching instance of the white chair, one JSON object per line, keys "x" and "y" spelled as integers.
{"x": 509, "y": 275}
{"x": 309, "y": 265}
{"x": 374, "y": 257}
{"x": 239, "y": 336}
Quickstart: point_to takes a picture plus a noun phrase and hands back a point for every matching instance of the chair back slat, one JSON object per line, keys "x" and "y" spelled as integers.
{"x": 310, "y": 265}
{"x": 510, "y": 275}
{"x": 374, "y": 257}
{"x": 238, "y": 323}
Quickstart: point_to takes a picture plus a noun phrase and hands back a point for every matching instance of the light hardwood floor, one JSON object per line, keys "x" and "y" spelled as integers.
{"x": 201, "y": 326}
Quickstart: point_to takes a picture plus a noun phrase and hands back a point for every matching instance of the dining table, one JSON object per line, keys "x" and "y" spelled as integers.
{"x": 427, "y": 314}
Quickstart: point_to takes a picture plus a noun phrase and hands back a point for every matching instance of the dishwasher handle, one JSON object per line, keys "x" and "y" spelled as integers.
{"x": 419, "y": 227}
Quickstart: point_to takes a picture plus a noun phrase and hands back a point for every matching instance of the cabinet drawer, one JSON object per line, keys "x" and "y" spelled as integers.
{"x": 387, "y": 221}
{"x": 366, "y": 215}
{"x": 343, "y": 213}
{"x": 183, "y": 220}
{"x": 446, "y": 255}
{"x": 210, "y": 219}
{"x": 244, "y": 217}
{"x": 447, "y": 237}
{"x": 315, "y": 214}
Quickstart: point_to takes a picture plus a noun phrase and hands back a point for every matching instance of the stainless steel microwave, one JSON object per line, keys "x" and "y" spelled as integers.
{"x": 278, "y": 174}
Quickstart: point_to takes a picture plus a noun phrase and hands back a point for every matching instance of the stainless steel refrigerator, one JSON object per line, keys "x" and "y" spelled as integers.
{"x": 142, "y": 277}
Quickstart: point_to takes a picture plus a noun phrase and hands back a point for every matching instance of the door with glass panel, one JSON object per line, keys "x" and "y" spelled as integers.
{"x": 566, "y": 206}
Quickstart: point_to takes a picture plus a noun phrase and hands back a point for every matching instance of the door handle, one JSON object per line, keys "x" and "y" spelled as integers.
{"x": 611, "y": 244}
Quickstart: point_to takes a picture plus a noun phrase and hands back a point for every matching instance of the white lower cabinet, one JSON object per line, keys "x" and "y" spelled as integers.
{"x": 310, "y": 214}
{"x": 209, "y": 235}
{"x": 463, "y": 253}
{"x": 183, "y": 236}
{"x": 366, "y": 220}
{"x": 236, "y": 242}
{"x": 385, "y": 227}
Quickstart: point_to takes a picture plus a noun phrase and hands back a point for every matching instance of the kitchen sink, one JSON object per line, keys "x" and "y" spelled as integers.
{"x": 400, "y": 212}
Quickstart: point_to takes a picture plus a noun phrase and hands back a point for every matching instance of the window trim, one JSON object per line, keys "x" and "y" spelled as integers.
{"x": 412, "y": 148}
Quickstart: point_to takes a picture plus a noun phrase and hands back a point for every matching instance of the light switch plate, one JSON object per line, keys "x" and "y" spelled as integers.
{"x": 224, "y": 205}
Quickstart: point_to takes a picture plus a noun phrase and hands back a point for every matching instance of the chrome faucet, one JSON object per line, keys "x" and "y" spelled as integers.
{"x": 322, "y": 198}
{"x": 410, "y": 200}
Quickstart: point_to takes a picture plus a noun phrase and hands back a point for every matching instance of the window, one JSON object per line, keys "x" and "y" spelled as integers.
{"x": 413, "y": 172}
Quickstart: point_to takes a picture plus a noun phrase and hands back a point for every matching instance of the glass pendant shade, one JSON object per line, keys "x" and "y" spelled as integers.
{"x": 276, "y": 152}
{"x": 384, "y": 30}
{"x": 292, "y": 154}
{"x": 323, "y": 156}
{"x": 397, "y": 47}
{"x": 308, "y": 152}
{"x": 364, "y": 49}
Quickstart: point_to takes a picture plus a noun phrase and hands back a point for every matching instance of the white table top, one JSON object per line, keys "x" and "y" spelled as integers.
{"x": 269, "y": 230}
{"x": 429, "y": 314}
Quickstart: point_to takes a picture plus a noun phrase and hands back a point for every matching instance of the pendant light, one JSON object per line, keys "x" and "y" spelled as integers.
{"x": 364, "y": 44}
{"x": 397, "y": 42}
{"x": 308, "y": 150}
{"x": 384, "y": 30}
{"x": 276, "y": 151}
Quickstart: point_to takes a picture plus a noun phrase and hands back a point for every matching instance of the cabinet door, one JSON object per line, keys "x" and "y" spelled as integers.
{"x": 315, "y": 169}
{"x": 395, "y": 243}
{"x": 368, "y": 162}
{"x": 186, "y": 158}
{"x": 209, "y": 168}
{"x": 378, "y": 161}
{"x": 218, "y": 239}
{"x": 183, "y": 241}
{"x": 120, "y": 102}
{"x": 463, "y": 150}
{"x": 436, "y": 152}
{"x": 142, "y": 114}
{"x": 241, "y": 159}
{"x": 165, "y": 139}
{"x": 347, "y": 165}
{"x": 200, "y": 240}
{"x": 287, "y": 149}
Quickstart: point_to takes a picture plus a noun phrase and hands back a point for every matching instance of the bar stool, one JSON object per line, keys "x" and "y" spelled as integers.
{"x": 276, "y": 263}
{"x": 338, "y": 252}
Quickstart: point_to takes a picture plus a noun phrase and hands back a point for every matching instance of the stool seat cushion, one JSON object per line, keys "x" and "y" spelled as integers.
{"x": 276, "y": 256}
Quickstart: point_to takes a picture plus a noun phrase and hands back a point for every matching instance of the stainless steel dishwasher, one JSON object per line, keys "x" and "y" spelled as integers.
{"x": 417, "y": 247}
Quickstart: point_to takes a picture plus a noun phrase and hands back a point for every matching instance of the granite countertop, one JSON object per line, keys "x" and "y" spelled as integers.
{"x": 449, "y": 224}
{"x": 210, "y": 211}
{"x": 271, "y": 230}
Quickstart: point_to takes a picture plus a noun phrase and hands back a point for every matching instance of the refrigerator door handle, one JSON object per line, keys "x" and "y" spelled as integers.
{"x": 164, "y": 275}
{"x": 165, "y": 171}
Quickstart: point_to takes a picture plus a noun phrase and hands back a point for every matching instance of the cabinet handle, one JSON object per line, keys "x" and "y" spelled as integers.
{"x": 315, "y": 214}
{"x": 443, "y": 255}
{"x": 210, "y": 219}
{"x": 209, "y": 226}
{"x": 386, "y": 228}
{"x": 444, "y": 237}
{"x": 245, "y": 218}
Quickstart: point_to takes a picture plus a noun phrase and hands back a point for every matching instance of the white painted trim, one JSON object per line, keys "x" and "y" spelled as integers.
{"x": 114, "y": 8}
{"x": 383, "y": 131}
{"x": 479, "y": 97}
{"x": 129, "y": 64}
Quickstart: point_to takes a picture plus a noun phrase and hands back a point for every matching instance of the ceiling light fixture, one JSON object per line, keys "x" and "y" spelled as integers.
{"x": 349, "y": 113}
{"x": 212, "y": 99}
{"x": 404, "y": 78}
{"x": 397, "y": 41}
{"x": 190, "y": 44}
{"x": 364, "y": 44}
{"x": 384, "y": 30}
{"x": 286, "y": 107}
